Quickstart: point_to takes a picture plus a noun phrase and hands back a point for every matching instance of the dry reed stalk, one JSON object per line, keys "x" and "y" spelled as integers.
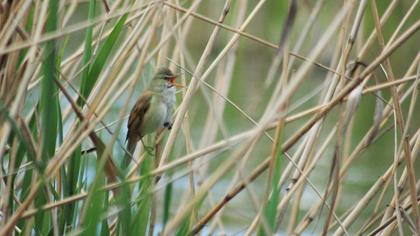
{"x": 363, "y": 74}
{"x": 399, "y": 119}
{"x": 67, "y": 31}
{"x": 158, "y": 30}
{"x": 161, "y": 170}
{"x": 198, "y": 73}
{"x": 357, "y": 151}
{"x": 305, "y": 69}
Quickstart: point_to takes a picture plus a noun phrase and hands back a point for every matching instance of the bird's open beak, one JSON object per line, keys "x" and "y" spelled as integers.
{"x": 172, "y": 80}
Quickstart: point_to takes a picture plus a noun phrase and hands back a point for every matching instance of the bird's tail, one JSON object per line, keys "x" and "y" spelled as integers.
{"x": 131, "y": 146}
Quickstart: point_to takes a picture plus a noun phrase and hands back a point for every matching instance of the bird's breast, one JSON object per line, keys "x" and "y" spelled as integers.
{"x": 168, "y": 97}
{"x": 155, "y": 117}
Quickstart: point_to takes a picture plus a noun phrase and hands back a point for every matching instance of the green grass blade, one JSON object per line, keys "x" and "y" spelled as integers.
{"x": 167, "y": 203}
{"x": 94, "y": 207}
{"x": 106, "y": 49}
{"x": 49, "y": 90}
{"x": 124, "y": 216}
{"x": 74, "y": 171}
{"x": 270, "y": 211}
{"x": 167, "y": 198}
{"x": 4, "y": 114}
{"x": 96, "y": 204}
{"x": 142, "y": 216}
{"x": 49, "y": 113}
{"x": 185, "y": 227}
{"x": 100, "y": 59}
{"x": 24, "y": 148}
{"x": 188, "y": 221}
{"x": 87, "y": 57}
{"x": 60, "y": 133}
{"x": 104, "y": 226}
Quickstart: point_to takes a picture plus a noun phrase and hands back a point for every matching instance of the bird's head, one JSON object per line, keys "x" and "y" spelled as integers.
{"x": 164, "y": 78}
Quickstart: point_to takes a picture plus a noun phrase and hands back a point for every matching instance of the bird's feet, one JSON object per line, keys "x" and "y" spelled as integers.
{"x": 167, "y": 125}
{"x": 150, "y": 150}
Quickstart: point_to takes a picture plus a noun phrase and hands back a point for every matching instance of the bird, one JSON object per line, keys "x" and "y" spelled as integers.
{"x": 152, "y": 110}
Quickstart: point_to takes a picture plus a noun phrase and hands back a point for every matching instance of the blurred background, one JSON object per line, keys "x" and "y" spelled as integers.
{"x": 242, "y": 76}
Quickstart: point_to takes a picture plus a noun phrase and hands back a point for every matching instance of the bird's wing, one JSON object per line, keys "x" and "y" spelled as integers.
{"x": 137, "y": 115}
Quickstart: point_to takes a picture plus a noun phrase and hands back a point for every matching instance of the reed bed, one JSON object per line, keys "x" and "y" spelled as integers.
{"x": 287, "y": 105}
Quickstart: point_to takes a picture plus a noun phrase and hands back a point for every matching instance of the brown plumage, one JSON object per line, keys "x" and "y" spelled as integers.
{"x": 135, "y": 121}
{"x": 152, "y": 110}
